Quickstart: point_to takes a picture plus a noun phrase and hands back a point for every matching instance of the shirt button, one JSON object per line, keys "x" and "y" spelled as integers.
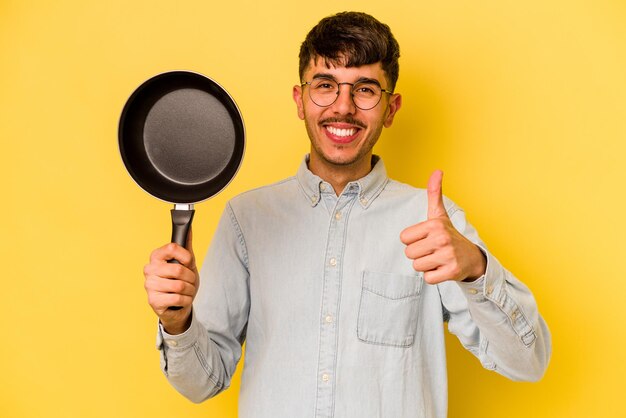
{"x": 172, "y": 343}
{"x": 313, "y": 199}
{"x": 472, "y": 291}
{"x": 325, "y": 377}
{"x": 333, "y": 261}
{"x": 364, "y": 201}
{"x": 514, "y": 315}
{"x": 337, "y": 215}
{"x": 329, "y": 319}
{"x": 322, "y": 187}
{"x": 489, "y": 290}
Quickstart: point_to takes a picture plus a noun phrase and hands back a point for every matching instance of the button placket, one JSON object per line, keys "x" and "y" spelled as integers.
{"x": 330, "y": 302}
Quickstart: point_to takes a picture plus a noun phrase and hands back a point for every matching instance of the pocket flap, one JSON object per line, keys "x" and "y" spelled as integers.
{"x": 391, "y": 285}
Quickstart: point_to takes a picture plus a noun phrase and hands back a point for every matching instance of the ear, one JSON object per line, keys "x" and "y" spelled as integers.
{"x": 395, "y": 103}
{"x": 297, "y": 97}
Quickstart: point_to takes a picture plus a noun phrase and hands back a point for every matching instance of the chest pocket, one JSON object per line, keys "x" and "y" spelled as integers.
{"x": 388, "y": 308}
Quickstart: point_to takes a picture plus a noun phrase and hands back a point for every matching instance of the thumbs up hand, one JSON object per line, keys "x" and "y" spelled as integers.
{"x": 437, "y": 248}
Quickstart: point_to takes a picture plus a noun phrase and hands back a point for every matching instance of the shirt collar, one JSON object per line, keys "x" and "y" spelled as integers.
{"x": 367, "y": 188}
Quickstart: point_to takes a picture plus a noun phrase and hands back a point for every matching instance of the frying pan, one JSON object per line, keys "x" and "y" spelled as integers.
{"x": 182, "y": 138}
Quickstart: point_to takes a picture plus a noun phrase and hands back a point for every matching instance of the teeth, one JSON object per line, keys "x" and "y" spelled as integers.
{"x": 341, "y": 132}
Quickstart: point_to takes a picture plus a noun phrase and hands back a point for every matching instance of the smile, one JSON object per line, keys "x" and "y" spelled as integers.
{"x": 341, "y": 132}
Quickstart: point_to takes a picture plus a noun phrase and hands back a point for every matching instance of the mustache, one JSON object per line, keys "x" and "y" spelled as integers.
{"x": 347, "y": 119}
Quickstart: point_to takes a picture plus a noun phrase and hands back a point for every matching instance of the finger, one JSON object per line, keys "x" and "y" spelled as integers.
{"x": 414, "y": 233}
{"x": 436, "y": 208}
{"x": 420, "y": 248}
{"x": 170, "y": 271}
{"x": 160, "y": 302}
{"x": 161, "y": 285}
{"x": 436, "y": 276}
{"x": 427, "y": 263}
{"x": 173, "y": 251}
{"x": 447, "y": 271}
{"x": 423, "y": 230}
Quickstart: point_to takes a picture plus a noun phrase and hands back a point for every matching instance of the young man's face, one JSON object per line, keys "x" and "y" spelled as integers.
{"x": 342, "y": 134}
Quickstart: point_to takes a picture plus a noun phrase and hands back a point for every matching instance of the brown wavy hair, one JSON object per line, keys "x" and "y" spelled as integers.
{"x": 351, "y": 39}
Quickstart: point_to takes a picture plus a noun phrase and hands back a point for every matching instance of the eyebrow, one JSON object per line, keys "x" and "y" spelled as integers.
{"x": 360, "y": 80}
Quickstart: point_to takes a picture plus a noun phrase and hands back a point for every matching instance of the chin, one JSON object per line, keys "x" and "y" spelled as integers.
{"x": 340, "y": 158}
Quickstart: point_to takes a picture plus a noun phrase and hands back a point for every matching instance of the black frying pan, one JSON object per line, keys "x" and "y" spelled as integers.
{"x": 182, "y": 139}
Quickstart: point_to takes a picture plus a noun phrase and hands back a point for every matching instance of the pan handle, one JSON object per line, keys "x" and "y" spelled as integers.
{"x": 181, "y": 222}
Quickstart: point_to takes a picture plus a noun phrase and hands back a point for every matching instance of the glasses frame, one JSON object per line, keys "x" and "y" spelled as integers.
{"x": 382, "y": 90}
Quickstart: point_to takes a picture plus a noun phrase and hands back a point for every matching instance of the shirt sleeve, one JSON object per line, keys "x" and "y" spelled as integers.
{"x": 200, "y": 362}
{"x": 496, "y": 317}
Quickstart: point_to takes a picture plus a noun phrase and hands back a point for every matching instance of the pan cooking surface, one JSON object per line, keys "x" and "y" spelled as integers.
{"x": 189, "y": 136}
{"x": 181, "y": 137}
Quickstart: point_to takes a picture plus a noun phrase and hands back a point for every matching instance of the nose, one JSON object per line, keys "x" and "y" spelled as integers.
{"x": 344, "y": 104}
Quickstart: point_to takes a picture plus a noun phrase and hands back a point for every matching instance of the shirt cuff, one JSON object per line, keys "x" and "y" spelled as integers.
{"x": 489, "y": 285}
{"x": 492, "y": 286}
{"x": 178, "y": 341}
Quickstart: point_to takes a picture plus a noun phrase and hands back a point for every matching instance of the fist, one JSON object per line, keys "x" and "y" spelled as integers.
{"x": 172, "y": 285}
{"x": 437, "y": 248}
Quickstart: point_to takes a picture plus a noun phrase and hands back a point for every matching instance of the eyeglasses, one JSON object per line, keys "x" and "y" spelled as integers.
{"x": 365, "y": 94}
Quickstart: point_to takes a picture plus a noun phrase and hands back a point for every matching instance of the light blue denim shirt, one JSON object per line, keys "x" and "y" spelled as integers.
{"x": 336, "y": 321}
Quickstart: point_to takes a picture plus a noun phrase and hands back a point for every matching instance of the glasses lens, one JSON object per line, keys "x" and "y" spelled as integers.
{"x": 366, "y": 95}
{"x": 323, "y": 91}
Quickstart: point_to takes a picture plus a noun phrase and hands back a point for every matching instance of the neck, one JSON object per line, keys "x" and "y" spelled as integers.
{"x": 339, "y": 175}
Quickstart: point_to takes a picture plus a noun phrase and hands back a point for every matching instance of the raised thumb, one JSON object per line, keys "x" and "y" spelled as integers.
{"x": 435, "y": 197}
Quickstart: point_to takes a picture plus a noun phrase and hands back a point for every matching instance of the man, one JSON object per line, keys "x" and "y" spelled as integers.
{"x": 339, "y": 279}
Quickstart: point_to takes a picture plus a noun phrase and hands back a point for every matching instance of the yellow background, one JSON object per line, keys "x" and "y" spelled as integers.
{"x": 522, "y": 104}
